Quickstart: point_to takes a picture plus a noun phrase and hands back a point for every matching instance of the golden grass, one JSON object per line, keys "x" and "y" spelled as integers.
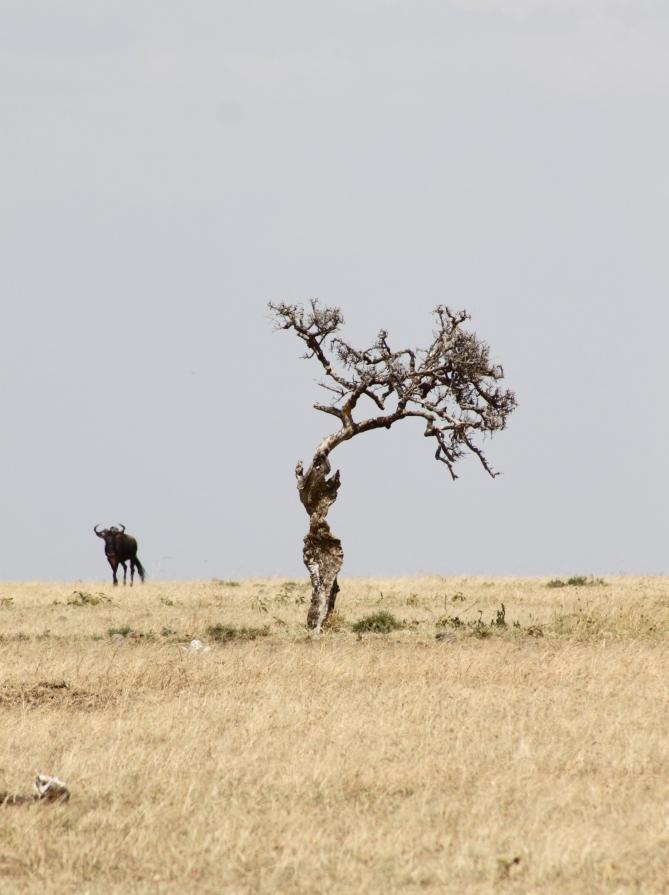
{"x": 493, "y": 759}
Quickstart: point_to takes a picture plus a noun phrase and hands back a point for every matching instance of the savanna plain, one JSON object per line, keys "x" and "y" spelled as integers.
{"x": 468, "y": 735}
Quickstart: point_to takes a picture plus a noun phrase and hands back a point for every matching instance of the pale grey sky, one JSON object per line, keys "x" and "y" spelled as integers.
{"x": 168, "y": 168}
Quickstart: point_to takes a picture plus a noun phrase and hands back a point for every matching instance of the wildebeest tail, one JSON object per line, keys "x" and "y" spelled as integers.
{"x": 140, "y": 568}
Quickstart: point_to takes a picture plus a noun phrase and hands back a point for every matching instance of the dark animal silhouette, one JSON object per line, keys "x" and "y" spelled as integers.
{"x": 120, "y": 548}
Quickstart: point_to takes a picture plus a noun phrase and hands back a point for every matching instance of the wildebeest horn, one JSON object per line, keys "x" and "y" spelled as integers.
{"x": 98, "y": 533}
{"x": 122, "y": 527}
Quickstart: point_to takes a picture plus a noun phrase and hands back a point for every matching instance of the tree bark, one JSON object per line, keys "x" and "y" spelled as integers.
{"x": 323, "y": 555}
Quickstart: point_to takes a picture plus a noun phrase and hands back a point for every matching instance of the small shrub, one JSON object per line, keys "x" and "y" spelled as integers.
{"x": 577, "y": 581}
{"x": 224, "y": 633}
{"x": 81, "y": 598}
{"x": 377, "y": 623}
{"x": 223, "y": 583}
{"x": 6, "y": 602}
{"x": 480, "y": 628}
{"x": 450, "y": 621}
{"x": 500, "y": 617}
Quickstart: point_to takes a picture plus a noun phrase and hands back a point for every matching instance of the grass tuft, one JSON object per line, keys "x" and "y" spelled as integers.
{"x": 335, "y": 622}
{"x": 377, "y": 623}
{"x": 225, "y": 633}
{"x": 82, "y": 598}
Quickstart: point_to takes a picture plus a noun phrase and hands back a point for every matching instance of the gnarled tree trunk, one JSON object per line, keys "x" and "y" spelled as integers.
{"x": 323, "y": 554}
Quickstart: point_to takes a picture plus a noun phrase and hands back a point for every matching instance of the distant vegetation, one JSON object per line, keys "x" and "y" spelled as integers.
{"x": 577, "y": 581}
{"x": 481, "y": 628}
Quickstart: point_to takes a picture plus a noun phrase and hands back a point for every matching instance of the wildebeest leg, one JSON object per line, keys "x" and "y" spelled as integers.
{"x": 114, "y": 567}
{"x": 132, "y": 572}
{"x": 125, "y": 572}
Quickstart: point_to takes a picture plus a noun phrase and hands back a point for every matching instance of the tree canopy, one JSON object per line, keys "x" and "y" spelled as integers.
{"x": 452, "y": 385}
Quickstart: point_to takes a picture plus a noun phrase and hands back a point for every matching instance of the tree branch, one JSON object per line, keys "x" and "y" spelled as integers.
{"x": 453, "y": 385}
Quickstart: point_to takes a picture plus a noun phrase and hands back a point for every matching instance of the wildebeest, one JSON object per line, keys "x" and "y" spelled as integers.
{"x": 119, "y": 549}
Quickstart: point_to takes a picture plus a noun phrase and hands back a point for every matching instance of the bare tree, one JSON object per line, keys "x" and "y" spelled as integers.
{"x": 452, "y": 386}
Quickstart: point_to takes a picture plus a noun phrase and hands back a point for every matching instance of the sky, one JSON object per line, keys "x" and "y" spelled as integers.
{"x": 167, "y": 169}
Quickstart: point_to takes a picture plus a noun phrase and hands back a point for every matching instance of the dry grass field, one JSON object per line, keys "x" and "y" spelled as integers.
{"x": 473, "y": 749}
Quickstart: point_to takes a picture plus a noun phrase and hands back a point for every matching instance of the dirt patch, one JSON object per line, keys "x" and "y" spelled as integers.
{"x": 51, "y": 693}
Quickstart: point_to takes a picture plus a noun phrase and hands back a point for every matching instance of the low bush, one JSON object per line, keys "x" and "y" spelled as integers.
{"x": 82, "y": 598}
{"x": 577, "y": 581}
{"x": 378, "y": 623}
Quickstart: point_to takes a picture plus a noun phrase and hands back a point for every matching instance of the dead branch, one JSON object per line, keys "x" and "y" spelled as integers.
{"x": 452, "y": 384}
